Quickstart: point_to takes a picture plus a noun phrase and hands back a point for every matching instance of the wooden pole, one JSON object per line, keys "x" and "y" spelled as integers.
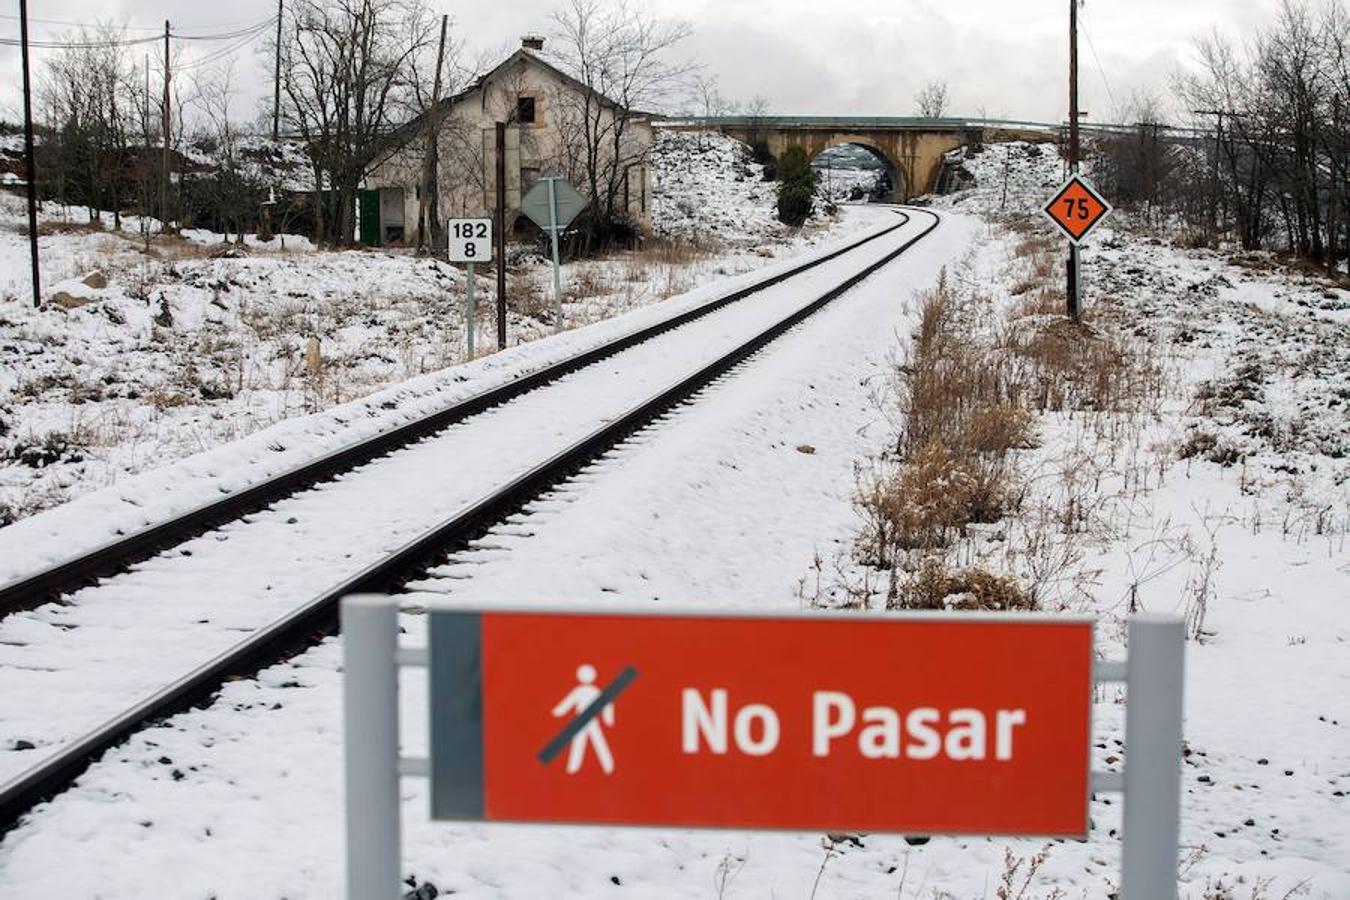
{"x": 30, "y": 166}
{"x": 501, "y": 235}
{"x": 145, "y": 178}
{"x": 426, "y": 207}
{"x": 168, "y": 123}
{"x": 1072, "y": 292}
{"x": 276, "y": 81}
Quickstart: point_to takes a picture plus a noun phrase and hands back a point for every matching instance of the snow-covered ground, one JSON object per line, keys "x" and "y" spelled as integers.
{"x": 1226, "y": 499}
{"x": 736, "y": 446}
{"x": 91, "y": 648}
{"x": 710, "y": 189}
{"x": 184, "y": 349}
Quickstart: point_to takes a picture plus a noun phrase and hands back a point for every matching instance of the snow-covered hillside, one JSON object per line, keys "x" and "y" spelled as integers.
{"x": 1221, "y": 494}
{"x": 1005, "y": 180}
{"x": 709, "y": 188}
{"x": 197, "y": 343}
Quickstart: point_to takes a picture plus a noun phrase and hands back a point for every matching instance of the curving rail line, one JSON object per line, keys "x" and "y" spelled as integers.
{"x": 318, "y": 617}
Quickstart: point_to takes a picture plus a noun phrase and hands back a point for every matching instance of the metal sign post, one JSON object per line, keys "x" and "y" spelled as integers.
{"x": 1076, "y": 209}
{"x": 1152, "y": 816}
{"x": 370, "y": 737}
{"x": 552, "y": 204}
{"x": 553, "y": 233}
{"x": 470, "y": 242}
{"x": 471, "y": 316}
{"x": 674, "y": 719}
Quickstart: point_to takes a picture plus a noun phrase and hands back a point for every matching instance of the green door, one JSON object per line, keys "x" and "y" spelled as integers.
{"x": 370, "y": 218}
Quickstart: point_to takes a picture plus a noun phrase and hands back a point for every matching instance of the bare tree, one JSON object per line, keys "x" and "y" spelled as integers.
{"x": 1278, "y": 158}
{"x": 706, "y": 97}
{"x": 932, "y": 99}
{"x": 1138, "y": 168}
{"x": 349, "y": 75}
{"x": 620, "y": 54}
{"x": 757, "y": 110}
{"x": 219, "y": 135}
{"x": 85, "y": 94}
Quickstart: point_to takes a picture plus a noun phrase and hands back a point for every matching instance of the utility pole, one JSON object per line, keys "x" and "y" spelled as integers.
{"x": 501, "y": 235}
{"x": 1332, "y": 193}
{"x": 276, "y": 81}
{"x": 31, "y": 173}
{"x": 164, "y": 179}
{"x": 1073, "y": 283}
{"x": 427, "y": 217}
{"x": 145, "y": 181}
{"x": 1214, "y": 169}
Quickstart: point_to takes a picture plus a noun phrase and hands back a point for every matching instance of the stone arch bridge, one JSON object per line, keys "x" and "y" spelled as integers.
{"x": 911, "y": 148}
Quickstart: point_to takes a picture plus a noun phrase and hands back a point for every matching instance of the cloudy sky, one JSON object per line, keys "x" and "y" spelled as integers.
{"x": 1002, "y": 58}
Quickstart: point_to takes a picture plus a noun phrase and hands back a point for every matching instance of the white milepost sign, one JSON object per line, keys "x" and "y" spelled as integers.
{"x": 470, "y": 240}
{"x": 471, "y": 243}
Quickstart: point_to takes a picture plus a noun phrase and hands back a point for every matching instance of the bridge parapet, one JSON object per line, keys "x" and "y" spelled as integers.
{"x": 914, "y": 146}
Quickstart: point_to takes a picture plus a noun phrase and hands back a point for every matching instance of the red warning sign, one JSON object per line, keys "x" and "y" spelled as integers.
{"x": 911, "y": 724}
{"x": 1077, "y": 208}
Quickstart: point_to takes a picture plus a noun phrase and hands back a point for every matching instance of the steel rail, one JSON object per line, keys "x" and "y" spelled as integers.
{"x": 318, "y": 617}
{"x": 30, "y": 591}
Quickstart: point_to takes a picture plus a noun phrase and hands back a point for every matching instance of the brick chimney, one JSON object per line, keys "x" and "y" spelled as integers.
{"x": 533, "y": 42}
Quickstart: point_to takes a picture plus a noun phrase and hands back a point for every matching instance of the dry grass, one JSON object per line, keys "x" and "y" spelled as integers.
{"x": 970, "y": 388}
{"x": 962, "y": 419}
{"x": 936, "y": 586}
{"x": 955, "y": 392}
{"x": 528, "y": 297}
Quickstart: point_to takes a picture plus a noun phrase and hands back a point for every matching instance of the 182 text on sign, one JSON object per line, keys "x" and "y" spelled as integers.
{"x": 470, "y": 240}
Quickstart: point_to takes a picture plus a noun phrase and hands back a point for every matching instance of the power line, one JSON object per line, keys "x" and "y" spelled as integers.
{"x": 1100, "y": 71}
{"x": 225, "y": 51}
{"x": 131, "y": 42}
{"x": 68, "y": 24}
{"x": 224, "y": 36}
{"x": 78, "y": 45}
{"x": 95, "y": 25}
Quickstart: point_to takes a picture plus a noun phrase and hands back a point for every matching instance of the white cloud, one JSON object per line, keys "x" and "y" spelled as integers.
{"x": 845, "y": 57}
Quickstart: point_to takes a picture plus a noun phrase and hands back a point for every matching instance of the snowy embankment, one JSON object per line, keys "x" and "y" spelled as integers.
{"x": 1224, "y": 499}
{"x": 187, "y": 606}
{"x": 690, "y": 512}
{"x": 152, "y": 357}
{"x": 710, "y": 189}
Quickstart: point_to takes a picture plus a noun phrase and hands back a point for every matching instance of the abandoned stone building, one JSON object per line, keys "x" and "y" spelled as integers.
{"x": 548, "y": 116}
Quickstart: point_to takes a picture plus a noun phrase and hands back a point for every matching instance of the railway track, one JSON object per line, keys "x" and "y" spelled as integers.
{"x": 301, "y": 626}
{"x": 40, "y": 587}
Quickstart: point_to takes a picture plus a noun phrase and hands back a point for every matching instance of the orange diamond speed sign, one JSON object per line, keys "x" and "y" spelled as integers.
{"x": 1077, "y": 208}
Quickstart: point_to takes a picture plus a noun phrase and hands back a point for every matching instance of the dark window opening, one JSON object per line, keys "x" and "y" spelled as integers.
{"x": 525, "y": 110}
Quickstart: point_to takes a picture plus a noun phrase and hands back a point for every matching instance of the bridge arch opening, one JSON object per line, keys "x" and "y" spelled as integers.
{"x": 853, "y": 171}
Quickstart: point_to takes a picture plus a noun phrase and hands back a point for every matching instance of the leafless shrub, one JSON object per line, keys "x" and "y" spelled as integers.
{"x": 960, "y": 423}
{"x": 529, "y": 298}
{"x": 938, "y": 587}
{"x": 1200, "y": 584}
{"x": 1011, "y": 887}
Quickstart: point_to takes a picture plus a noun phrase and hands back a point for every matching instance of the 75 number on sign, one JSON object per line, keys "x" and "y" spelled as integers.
{"x": 1077, "y": 208}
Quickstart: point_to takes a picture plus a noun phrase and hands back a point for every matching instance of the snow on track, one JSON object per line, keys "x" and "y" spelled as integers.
{"x": 108, "y": 646}
{"x": 140, "y": 500}
{"x": 256, "y": 775}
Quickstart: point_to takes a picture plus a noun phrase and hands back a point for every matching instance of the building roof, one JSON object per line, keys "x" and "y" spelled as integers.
{"x": 411, "y": 129}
